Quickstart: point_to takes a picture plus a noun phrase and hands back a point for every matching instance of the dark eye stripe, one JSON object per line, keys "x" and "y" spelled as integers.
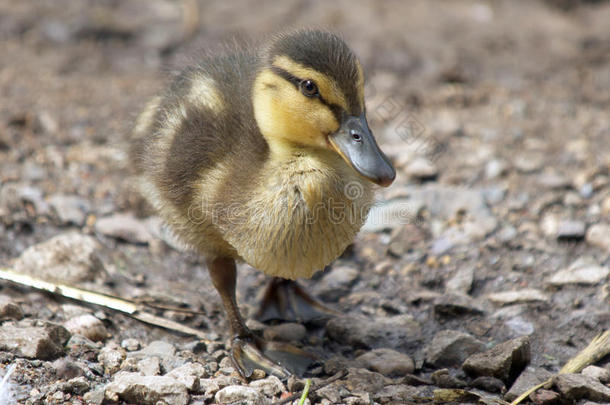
{"x": 334, "y": 108}
{"x": 286, "y": 75}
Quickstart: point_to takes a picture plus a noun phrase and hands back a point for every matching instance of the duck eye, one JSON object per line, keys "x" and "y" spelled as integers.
{"x": 309, "y": 88}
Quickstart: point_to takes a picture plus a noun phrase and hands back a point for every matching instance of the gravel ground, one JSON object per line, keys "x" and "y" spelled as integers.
{"x": 484, "y": 267}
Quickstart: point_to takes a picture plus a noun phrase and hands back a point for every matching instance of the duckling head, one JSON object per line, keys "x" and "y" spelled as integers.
{"x": 309, "y": 96}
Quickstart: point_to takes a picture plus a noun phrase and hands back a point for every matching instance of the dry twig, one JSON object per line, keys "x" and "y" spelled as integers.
{"x": 124, "y": 306}
{"x": 597, "y": 349}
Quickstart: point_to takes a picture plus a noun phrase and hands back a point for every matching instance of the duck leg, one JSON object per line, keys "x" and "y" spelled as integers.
{"x": 248, "y": 351}
{"x": 288, "y": 301}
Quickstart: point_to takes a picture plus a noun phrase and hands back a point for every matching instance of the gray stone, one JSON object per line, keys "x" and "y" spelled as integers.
{"x": 445, "y": 202}
{"x": 582, "y": 271}
{"x": 518, "y": 296}
{"x": 130, "y": 364}
{"x": 450, "y": 348}
{"x": 189, "y": 374}
{"x": 489, "y": 384}
{"x": 209, "y": 387}
{"x": 125, "y": 227}
{"x": 9, "y": 309}
{"x": 387, "y": 362}
{"x": 391, "y": 214}
{"x": 362, "y": 380}
{"x": 549, "y": 224}
{"x": 336, "y": 283}
{"x": 111, "y": 358}
{"x": 66, "y": 258}
{"x": 571, "y": 229}
{"x": 239, "y": 394}
{"x": 77, "y": 386}
{"x": 530, "y": 377}
{"x": 329, "y": 394}
{"x": 394, "y": 394}
{"x": 445, "y": 243}
{"x": 66, "y": 369}
{"x": 461, "y": 281}
{"x": 13, "y": 197}
{"x": 338, "y": 363}
{"x": 361, "y": 399}
{"x": 494, "y": 195}
{"x": 33, "y": 171}
{"x": 507, "y": 234}
{"x": 599, "y": 373}
{"x": 519, "y": 326}
{"x": 56, "y": 31}
{"x": 295, "y": 383}
{"x": 586, "y": 190}
{"x": 455, "y": 304}
{"x": 130, "y": 344}
{"x": 156, "y": 348}
{"x": 149, "y": 365}
{"x": 504, "y": 361}
{"x": 578, "y": 386}
{"x": 163, "y": 350}
{"x": 605, "y": 205}
{"x": 57, "y": 397}
{"x": 528, "y": 162}
{"x": 547, "y": 397}
{"x": 95, "y": 397}
{"x": 270, "y": 386}
{"x": 518, "y": 202}
{"x": 88, "y": 326}
{"x": 394, "y": 332}
{"x": 145, "y": 390}
{"x": 421, "y": 169}
{"x": 78, "y": 342}
{"x": 34, "y": 340}
{"x": 286, "y": 332}
{"x": 572, "y": 199}
{"x": 69, "y": 209}
{"x": 444, "y": 379}
{"x": 405, "y": 238}
{"x": 72, "y": 310}
{"x": 553, "y": 181}
{"x": 495, "y": 168}
{"x": 599, "y": 235}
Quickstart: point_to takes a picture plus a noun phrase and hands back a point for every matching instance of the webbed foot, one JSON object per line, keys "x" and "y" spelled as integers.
{"x": 279, "y": 359}
{"x": 288, "y": 301}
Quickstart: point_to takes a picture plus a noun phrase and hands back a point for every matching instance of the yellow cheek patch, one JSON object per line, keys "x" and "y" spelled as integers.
{"x": 328, "y": 88}
{"x": 285, "y": 116}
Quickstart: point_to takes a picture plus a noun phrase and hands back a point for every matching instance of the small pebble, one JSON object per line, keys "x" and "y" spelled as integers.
{"x": 88, "y": 326}
{"x": 571, "y": 230}
{"x": 599, "y": 373}
{"x": 584, "y": 271}
{"x": 130, "y": 344}
{"x": 111, "y": 359}
{"x": 270, "y": 386}
{"x": 387, "y": 362}
{"x": 599, "y": 235}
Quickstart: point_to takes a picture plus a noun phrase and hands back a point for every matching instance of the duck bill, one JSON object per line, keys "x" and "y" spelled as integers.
{"x": 357, "y": 146}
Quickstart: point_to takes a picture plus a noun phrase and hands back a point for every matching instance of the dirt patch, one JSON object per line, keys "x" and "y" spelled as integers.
{"x": 495, "y": 114}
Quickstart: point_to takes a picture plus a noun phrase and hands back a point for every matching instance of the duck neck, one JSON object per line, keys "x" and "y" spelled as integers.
{"x": 282, "y": 150}
{"x": 303, "y": 160}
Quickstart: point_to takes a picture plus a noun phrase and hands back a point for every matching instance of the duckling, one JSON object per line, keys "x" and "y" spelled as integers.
{"x": 263, "y": 156}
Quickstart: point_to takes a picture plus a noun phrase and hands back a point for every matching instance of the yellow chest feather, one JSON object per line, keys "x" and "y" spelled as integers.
{"x": 300, "y": 218}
